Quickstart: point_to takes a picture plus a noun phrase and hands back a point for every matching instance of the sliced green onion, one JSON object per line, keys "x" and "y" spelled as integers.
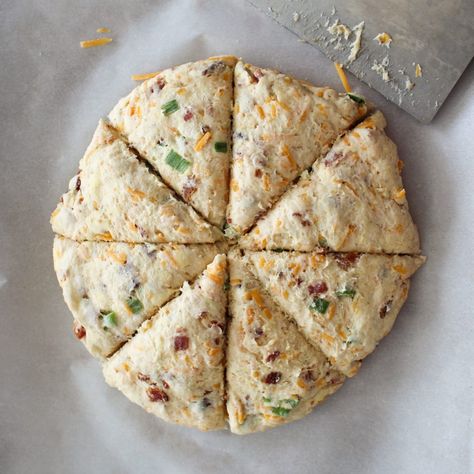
{"x": 176, "y": 161}
{"x": 109, "y": 319}
{"x": 267, "y": 400}
{"x": 320, "y": 305}
{"x": 278, "y": 250}
{"x": 356, "y": 98}
{"x": 280, "y": 411}
{"x": 290, "y": 401}
{"x": 346, "y": 292}
{"x": 220, "y": 147}
{"x": 322, "y": 242}
{"x": 134, "y": 304}
{"x": 170, "y": 107}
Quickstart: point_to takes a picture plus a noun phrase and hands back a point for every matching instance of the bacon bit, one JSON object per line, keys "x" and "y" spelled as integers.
{"x": 95, "y": 42}
{"x": 165, "y": 384}
{"x": 333, "y": 158}
{"x": 272, "y": 378}
{"x": 201, "y": 143}
{"x": 400, "y": 165}
{"x": 317, "y": 288}
{"x": 347, "y": 260}
{"x": 258, "y": 173}
{"x": 337, "y": 380}
{"x": 217, "y": 67}
{"x": 273, "y": 356}
{"x": 181, "y": 343}
{"x": 303, "y": 222}
{"x": 385, "y": 309}
{"x": 253, "y": 78}
{"x": 307, "y": 375}
{"x": 157, "y": 395}
{"x": 78, "y": 183}
{"x": 187, "y": 116}
{"x": 189, "y": 188}
{"x": 79, "y": 330}
{"x": 342, "y": 77}
{"x": 143, "y": 377}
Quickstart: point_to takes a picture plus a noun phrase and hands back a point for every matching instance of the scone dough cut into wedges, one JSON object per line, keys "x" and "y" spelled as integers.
{"x": 180, "y": 121}
{"x": 174, "y": 366}
{"x": 353, "y": 201}
{"x": 281, "y": 126}
{"x": 274, "y": 376}
{"x": 115, "y": 197}
{"x": 111, "y": 288}
{"x": 343, "y": 303}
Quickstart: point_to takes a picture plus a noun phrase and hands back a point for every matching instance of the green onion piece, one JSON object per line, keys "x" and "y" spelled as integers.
{"x": 134, "y": 304}
{"x": 170, "y": 107}
{"x": 109, "y": 319}
{"x": 280, "y": 411}
{"x": 176, "y": 161}
{"x": 220, "y": 147}
{"x": 322, "y": 242}
{"x": 320, "y": 305}
{"x": 267, "y": 399}
{"x": 346, "y": 292}
{"x": 290, "y": 401}
{"x": 356, "y": 98}
{"x": 278, "y": 250}
{"x": 227, "y": 285}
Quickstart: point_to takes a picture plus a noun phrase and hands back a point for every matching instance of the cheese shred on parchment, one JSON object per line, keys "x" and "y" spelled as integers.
{"x": 95, "y": 42}
{"x": 144, "y": 77}
{"x": 342, "y": 77}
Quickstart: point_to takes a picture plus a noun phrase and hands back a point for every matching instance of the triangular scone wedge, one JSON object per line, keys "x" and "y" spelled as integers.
{"x": 174, "y": 366}
{"x": 180, "y": 121}
{"x": 353, "y": 201}
{"x": 116, "y": 197}
{"x": 281, "y": 126}
{"x": 274, "y": 376}
{"x": 111, "y": 288}
{"x": 343, "y": 303}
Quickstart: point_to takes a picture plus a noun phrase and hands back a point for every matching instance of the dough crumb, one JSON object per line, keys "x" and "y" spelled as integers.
{"x": 384, "y": 39}
{"x": 296, "y": 17}
{"x": 356, "y": 44}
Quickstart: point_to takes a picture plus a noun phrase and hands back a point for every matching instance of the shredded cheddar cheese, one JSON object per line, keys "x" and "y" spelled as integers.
{"x": 103, "y": 29}
{"x": 202, "y": 142}
{"x": 143, "y": 77}
{"x": 95, "y": 42}
{"x": 342, "y": 77}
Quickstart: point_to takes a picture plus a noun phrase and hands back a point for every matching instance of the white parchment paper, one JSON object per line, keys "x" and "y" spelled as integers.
{"x": 410, "y": 409}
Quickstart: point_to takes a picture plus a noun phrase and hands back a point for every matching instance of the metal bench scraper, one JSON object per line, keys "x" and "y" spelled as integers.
{"x": 426, "y": 46}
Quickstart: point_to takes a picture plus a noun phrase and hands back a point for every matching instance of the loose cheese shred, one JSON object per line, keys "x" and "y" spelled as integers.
{"x": 201, "y": 143}
{"x": 95, "y": 42}
{"x": 418, "y": 71}
{"x": 260, "y": 111}
{"x": 287, "y": 154}
{"x": 215, "y": 278}
{"x": 342, "y": 77}
{"x": 143, "y": 77}
{"x": 103, "y": 29}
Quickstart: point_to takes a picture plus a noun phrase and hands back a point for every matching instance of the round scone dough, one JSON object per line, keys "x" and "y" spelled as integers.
{"x": 299, "y": 185}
